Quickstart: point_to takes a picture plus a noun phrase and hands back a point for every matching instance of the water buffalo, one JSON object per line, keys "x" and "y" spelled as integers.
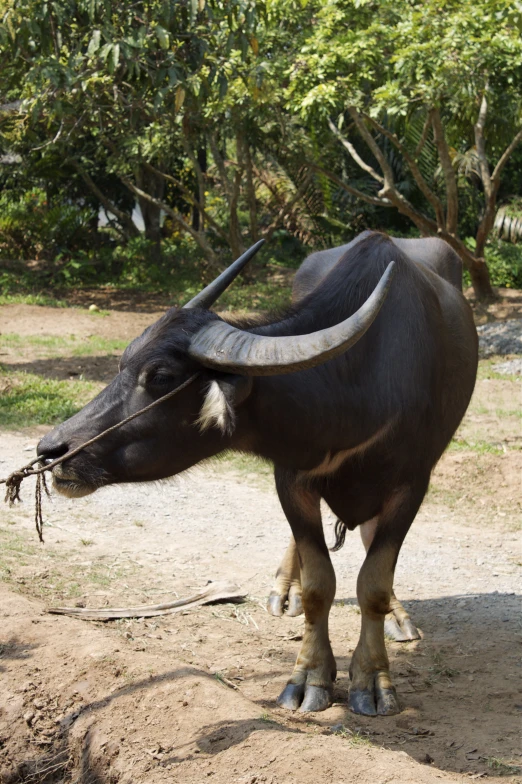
{"x": 353, "y": 394}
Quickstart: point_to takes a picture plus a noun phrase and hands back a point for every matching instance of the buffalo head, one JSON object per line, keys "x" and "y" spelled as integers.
{"x": 198, "y": 422}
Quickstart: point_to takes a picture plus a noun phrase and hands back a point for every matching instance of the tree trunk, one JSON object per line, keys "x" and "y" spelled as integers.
{"x": 478, "y": 269}
{"x": 151, "y": 213}
{"x": 198, "y": 218}
{"x": 251, "y": 193}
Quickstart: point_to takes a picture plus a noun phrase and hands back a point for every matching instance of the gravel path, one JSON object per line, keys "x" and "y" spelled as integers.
{"x": 457, "y": 574}
{"x": 500, "y": 337}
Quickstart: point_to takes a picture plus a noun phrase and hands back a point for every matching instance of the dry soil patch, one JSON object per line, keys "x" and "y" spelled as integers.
{"x": 191, "y": 698}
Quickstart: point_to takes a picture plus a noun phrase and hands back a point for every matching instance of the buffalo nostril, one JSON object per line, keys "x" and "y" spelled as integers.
{"x": 48, "y": 453}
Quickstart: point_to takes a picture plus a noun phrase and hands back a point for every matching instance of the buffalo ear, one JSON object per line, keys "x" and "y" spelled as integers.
{"x": 222, "y": 397}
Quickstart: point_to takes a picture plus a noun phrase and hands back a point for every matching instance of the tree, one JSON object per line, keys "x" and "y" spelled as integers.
{"x": 99, "y": 84}
{"x": 429, "y": 83}
{"x": 175, "y": 100}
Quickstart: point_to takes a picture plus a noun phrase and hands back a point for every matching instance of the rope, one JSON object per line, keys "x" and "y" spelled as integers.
{"x": 14, "y": 480}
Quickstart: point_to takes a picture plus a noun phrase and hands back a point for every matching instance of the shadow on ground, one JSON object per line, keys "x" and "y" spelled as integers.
{"x": 448, "y": 722}
{"x": 92, "y": 368}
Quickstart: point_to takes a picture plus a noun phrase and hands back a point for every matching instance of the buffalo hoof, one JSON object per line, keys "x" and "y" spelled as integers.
{"x": 292, "y": 696}
{"x": 362, "y": 701}
{"x": 374, "y": 702}
{"x": 276, "y": 604}
{"x": 295, "y": 605}
{"x": 307, "y": 698}
{"x": 400, "y": 632}
{"x": 316, "y": 698}
{"x": 387, "y": 702}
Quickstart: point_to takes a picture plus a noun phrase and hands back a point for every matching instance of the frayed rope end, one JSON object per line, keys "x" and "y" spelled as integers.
{"x": 12, "y": 493}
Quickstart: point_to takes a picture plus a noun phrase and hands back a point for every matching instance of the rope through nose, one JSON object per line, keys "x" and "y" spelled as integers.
{"x": 14, "y": 480}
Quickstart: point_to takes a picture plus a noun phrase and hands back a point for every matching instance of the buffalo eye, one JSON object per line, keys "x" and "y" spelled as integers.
{"x": 160, "y": 379}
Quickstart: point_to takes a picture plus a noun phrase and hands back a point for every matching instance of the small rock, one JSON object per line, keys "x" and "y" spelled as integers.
{"x": 28, "y": 717}
{"x": 94, "y": 308}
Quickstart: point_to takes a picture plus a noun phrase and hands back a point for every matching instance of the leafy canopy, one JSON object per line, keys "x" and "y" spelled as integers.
{"x": 394, "y": 57}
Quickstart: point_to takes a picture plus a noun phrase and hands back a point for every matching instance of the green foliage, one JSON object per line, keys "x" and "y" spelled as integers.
{"x": 214, "y": 117}
{"x": 176, "y": 269}
{"x": 31, "y": 228}
{"x": 504, "y": 262}
{"x": 27, "y": 399}
{"x": 436, "y": 53}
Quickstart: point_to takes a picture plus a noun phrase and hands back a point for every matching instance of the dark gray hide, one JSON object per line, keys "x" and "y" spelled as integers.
{"x": 361, "y": 429}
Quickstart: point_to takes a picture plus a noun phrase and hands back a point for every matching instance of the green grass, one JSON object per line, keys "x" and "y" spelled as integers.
{"x": 27, "y": 399}
{"x": 179, "y": 275}
{"x": 50, "y": 573}
{"x": 52, "y": 345}
{"x": 479, "y": 446}
{"x": 355, "y": 739}
{"x": 486, "y": 370}
{"x": 502, "y": 767}
{"x": 500, "y": 413}
{"x": 258, "y": 296}
{"x": 267, "y": 718}
{"x": 245, "y": 467}
{"x": 33, "y": 299}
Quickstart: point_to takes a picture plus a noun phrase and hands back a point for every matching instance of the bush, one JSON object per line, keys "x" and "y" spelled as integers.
{"x": 504, "y": 262}
{"x": 30, "y": 228}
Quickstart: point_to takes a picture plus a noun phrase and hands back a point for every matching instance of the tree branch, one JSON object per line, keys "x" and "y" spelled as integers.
{"x": 450, "y": 178}
{"x": 491, "y": 183}
{"x": 376, "y": 150}
{"x": 220, "y": 163}
{"x": 250, "y": 189}
{"x": 424, "y": 136}
{"x": 388, "y": 196}
{"x": 124, "y": 218}
{"x": 377, "y": 201}
{"x": 480, "y": 144}
{"x": 235, "y": 229}
{"x": 195, "y": 163}
{"x": 505, "y": 157}
{"x": 190, "y": 198}
{"x": 354, "y": 154}
{"x": 417, "y": 175}
{"x": 176, "y": 216}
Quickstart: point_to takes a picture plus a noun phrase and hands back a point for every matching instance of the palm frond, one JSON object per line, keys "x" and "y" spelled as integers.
{"x": 508, "y": 222}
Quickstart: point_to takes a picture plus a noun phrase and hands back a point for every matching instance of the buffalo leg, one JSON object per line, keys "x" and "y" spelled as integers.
{"x": 397, "y": 623}
{"x": 287, "y": 586}
{"x": 372, "y": 691}
{"x": 311, "y": 684}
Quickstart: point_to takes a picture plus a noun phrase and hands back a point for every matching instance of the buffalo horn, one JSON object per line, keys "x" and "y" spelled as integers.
{"x": 206, "y": 298}
{"x": 224, "y": 347}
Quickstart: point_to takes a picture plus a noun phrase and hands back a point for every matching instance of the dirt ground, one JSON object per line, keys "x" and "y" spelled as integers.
{"x": 191, "y": 697}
